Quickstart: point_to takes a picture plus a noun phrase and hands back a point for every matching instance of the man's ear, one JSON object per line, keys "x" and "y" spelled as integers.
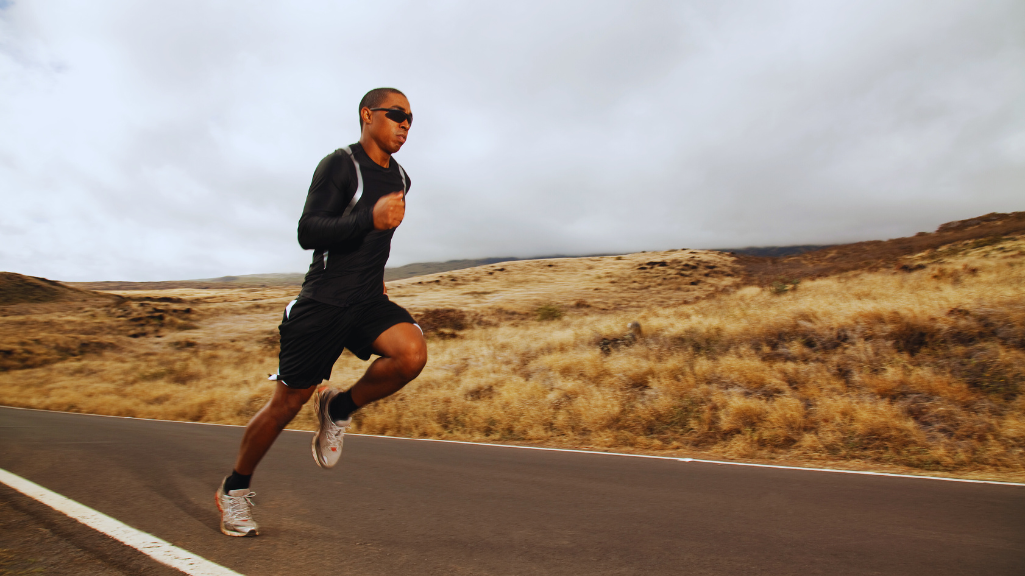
{"x": 367, "y": 115}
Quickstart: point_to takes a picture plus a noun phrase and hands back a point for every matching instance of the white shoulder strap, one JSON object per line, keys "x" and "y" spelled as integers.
{"x": 403, "y": 173}
{"x": 359, "y": 183}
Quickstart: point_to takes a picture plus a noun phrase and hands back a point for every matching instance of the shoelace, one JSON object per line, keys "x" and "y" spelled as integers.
{"x": 239, "y": 511}
{"x": 334, "y": 433}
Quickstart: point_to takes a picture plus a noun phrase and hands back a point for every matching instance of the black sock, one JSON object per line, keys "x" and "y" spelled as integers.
{"x": 341, "y": 407}
{"x": 236, "y": 481}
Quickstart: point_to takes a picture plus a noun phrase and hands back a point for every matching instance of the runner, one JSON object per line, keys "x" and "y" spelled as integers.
{"x": 355, "y": 202}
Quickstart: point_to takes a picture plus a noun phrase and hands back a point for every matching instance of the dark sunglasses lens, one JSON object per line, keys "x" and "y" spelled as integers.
{"x": 399, "y": 116}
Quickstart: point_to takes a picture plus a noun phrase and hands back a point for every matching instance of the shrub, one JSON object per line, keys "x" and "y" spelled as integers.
{"x": 782, "y": 286}
{"x": 549, "y": 312}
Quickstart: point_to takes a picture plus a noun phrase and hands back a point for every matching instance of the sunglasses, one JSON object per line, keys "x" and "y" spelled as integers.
{"x": 396, "y": 115}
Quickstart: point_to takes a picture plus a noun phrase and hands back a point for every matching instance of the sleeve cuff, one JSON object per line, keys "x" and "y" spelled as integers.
{"x": 367, "y": 219}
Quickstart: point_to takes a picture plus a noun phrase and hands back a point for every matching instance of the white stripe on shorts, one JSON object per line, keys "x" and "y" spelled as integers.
{"x": 288, "y": 310}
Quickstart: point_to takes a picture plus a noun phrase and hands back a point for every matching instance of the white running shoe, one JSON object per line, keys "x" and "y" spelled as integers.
{"x": 327, "y": 442}
{"x": 237, "y": 512}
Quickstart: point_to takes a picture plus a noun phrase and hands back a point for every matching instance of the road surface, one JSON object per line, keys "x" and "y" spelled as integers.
{"x": 397, "y": 506}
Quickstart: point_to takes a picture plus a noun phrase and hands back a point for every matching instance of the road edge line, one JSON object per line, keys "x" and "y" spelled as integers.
{"x": 126, "y": 417}
{"x": 160, "y": 550}
{"x": 651, "y": 456}
{"x": 701, "y": 461}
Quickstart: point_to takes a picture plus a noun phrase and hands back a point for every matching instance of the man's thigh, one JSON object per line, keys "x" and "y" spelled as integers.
{"x": 372, "y": 321}
{"x": 400, "y": 339}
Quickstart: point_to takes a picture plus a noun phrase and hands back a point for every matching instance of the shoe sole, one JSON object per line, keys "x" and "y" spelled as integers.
{"x": 249, "y": 533}
{"x": 315, "y": 445}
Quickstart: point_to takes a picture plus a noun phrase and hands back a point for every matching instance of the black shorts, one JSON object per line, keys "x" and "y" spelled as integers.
{"x": 313, "y": 335}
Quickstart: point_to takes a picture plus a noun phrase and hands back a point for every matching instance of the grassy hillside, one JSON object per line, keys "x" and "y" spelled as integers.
{"x": 924, "y": 369}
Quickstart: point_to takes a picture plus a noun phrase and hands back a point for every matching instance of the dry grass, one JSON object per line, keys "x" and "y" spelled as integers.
{"x": 191, "y": 357}
{"x": 920, "y": 369}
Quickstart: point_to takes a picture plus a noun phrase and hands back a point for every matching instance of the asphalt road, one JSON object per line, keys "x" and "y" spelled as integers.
{"x": 405, "y": 507}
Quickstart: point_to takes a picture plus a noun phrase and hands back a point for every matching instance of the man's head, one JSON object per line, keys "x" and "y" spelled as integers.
{"x": 381, "y": 126}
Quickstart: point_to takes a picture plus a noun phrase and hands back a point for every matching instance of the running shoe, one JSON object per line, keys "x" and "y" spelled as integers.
{"x": 237, "y": 512}
{"x": 327, "y": 442}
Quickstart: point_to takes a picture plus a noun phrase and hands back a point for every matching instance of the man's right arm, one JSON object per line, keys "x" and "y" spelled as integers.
{"x": 322, "y": 224}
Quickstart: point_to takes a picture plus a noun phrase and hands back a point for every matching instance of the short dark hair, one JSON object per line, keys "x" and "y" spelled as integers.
{"x": 373, "y": 99}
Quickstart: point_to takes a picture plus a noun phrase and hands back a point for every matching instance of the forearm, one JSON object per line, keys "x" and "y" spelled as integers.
{"x": 316, "y": 231}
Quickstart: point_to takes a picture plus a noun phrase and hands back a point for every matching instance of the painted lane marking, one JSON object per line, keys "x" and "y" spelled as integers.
{"x": 117, "y": 417}
{"x": 700, "y": 461}
{"x": 160, "y": 550}
{"x": 677, "y": 458}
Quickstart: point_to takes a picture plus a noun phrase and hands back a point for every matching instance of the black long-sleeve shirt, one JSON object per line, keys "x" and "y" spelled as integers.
{"x": 349, "y": 254}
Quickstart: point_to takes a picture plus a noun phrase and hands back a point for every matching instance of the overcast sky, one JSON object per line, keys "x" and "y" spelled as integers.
{"x": 174, "y": 140}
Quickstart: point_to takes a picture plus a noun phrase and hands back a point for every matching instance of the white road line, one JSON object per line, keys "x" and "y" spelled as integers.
{"x": 125, "y": 417}
{"x": 160, "y": 550}
{"x": 722, "y": 462}
{"x": 677, "y": 458}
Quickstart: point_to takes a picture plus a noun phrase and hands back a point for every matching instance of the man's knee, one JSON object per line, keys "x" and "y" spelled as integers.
{"x": 412, "y": 358}
{"x": 287, "y": 403}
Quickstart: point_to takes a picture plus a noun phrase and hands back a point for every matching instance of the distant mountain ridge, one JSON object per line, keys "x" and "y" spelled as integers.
{"x": 425, "y": 268}
{"x": 390, "y": 274}
{"x": 776, "y": 251}
{"x": 761, "y": 261}
{"x": 296, "y": 278}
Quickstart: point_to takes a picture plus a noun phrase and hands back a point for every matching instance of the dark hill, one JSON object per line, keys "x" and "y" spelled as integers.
{"x": 19, "y": 289}
{"x": 776, "y": 251}
{"x": 425, "y": 268}
{"x": 876, "y": 254}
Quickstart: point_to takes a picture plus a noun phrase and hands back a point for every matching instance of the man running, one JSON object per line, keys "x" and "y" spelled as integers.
{"x": 355, "y": 202}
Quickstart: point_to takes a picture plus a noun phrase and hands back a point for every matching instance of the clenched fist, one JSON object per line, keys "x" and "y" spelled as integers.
{"x": 389, "y": 210}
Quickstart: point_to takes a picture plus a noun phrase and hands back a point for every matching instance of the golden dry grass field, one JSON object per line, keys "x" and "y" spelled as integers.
{"x": 917, "y": 366}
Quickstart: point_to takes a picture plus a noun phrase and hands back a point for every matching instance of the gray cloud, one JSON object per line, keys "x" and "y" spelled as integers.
{"x": 176, "y": 140}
